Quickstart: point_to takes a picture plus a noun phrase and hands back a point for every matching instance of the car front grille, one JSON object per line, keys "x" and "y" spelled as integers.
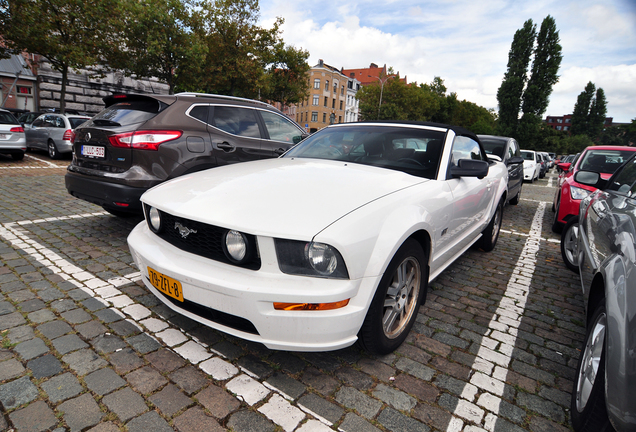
{"x": 201, "y": 239}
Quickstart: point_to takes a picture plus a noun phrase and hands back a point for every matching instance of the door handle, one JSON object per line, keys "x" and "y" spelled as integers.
{"x": 225, "y": 146}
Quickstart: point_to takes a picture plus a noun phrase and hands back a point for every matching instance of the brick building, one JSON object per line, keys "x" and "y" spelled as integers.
{"x": 18, "y": 84}
{"x": 563, "y": 123}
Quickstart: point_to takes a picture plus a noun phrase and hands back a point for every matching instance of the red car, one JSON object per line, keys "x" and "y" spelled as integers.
{"x": 601, "y": 159}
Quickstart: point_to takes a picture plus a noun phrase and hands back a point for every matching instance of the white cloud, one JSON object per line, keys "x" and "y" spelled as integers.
{"x": 467, "y": 43}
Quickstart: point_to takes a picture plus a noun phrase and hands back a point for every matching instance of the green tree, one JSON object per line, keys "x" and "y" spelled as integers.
{"x": 287, "y": 81}
{"x": 511, "y": 89}
{"x": 598, "y": 112}
{"x": 70, "y": 34}
{"x": 580, "y": 115}
{"x": 545, "y": 68}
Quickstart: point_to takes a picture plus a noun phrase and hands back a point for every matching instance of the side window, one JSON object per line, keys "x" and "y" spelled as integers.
{"x": 514, "y": 149}
{"x": 200, "y": 112}
{"x": 465, "y": 148}
{"x": 59, "y": 122}
{"x": 279, "y": 128}
{"x": 237, "y": 121}
{"x": 49, "y": 121}
{"x": 625, "y": 181}
{"x": 39, "y": 122}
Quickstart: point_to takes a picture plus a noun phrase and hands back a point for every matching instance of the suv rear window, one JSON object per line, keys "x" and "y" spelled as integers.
{"x": 7, "y": 118}
{"x": 130, "y": 112}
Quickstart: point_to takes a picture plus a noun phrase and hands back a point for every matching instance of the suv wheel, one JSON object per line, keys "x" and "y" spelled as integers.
{"x": 53, "y": 153}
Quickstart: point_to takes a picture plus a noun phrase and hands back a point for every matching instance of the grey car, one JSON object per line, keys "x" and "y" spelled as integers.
{"x": 139, "y": 141}
{"x": 507, "y": 151}
{"x": 604, "y": 391}
{"x": 53, "y": 133}
{"x": 12, "y": 141}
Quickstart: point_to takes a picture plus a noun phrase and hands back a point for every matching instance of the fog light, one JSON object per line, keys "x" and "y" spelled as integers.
{"x": 236, "y": 246}
{"x": 155, "y": 219}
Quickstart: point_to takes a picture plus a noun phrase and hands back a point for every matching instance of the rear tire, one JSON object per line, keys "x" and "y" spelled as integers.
{"x": 394, "y": 307}
{"x": 53, "y": 153}
{"x": 570, "y": 245}
{"x": 588, "y": 410}
{"x": 490, "y": 235}
{"x": 17, "y": 156}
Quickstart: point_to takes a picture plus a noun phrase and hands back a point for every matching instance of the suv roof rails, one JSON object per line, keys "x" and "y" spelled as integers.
{"x": 223, "y": 97}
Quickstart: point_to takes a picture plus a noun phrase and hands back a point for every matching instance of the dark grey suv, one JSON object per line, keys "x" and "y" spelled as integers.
{"x": 139, "y": 141}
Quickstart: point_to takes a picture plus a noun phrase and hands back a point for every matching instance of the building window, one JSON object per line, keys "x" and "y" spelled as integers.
{"x": 567, "y": 120}
{"x": 559, "y": 120}
{"x": 314, "y": 116}
{"x": 339, "y": 119}
{"x": 324, "y": 117}
{"x": 342, "y": 90}
{"x": 333, "y": 103}
{"x": 340, "y": 104}
{"x": 326, "y": 99}
{"x": 316, "y": 100}
{"x": 317, "y": 83}
{"x": 558, "y": 127}
{"x": 327, "y": 85}
{"x": 566, "y": 128}
{"x": 335, "y": 87}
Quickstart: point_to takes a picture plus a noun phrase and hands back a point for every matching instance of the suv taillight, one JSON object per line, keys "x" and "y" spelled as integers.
{"x": 144, "y": 140}
{"x": 69, "y": 135}
{"x": 17, "y": 129}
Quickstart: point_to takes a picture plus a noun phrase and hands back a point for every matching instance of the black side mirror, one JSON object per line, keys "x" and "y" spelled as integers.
{"x": 470, "y": 168}
{"x": 515, "y": 160}
{"x": 590, "y": 178}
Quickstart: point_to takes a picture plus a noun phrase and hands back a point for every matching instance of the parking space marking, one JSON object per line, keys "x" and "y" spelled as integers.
{"x": 245, "y": 387}
{"x": 44, "y": 161}
{"x": 490, "y": 369}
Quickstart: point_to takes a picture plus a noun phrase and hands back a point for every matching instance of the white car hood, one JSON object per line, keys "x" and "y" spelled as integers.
{"x": 292, "y": 198}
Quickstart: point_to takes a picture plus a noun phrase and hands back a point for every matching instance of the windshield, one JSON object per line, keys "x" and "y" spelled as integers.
{"x": 413, "y": 150}
{"x": 494, "y": 147}
{"x": 7, "y": 118}
{"x": 604, "y": 161}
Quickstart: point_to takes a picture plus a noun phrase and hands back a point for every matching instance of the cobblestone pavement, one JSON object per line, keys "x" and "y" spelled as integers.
{"x": 86, "y": 347}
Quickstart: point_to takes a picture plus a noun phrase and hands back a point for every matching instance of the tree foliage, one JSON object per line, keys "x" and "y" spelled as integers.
{"x": 70, "y": 34}
{"x": 427, "y": 102}
{"x": 511, "y": 89}
{"x": 589, "y": 113}
{"x": 531, "y": 94}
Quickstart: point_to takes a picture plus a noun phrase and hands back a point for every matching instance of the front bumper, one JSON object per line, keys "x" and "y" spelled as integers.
{"x": 248, "y": 296}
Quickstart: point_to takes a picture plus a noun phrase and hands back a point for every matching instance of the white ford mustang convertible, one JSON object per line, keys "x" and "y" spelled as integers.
{"x": 332, "y": 243}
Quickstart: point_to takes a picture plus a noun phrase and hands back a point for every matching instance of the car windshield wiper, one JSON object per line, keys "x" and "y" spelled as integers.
{"x": 104, "y": 122}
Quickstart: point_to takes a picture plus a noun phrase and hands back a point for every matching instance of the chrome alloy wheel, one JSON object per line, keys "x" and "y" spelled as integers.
{"x": 591, "y": 360}
{"x": 401, "y": 298}
{"x": 571, "y": 244}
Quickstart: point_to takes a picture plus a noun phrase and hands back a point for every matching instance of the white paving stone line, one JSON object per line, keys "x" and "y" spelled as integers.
{"x": 503, "y": 331}
{"x": 246, "y": 388}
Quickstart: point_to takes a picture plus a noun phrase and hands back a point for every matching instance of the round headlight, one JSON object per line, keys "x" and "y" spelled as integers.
{"x": 235, "y": 245}
{"x": 322, "y": 258}
{"x": 155, "y": 219}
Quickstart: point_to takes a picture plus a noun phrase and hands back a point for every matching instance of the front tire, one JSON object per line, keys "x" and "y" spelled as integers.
{"x": 570, "y": 245}
{"x": 490, "y": 235}
{"x": 17, "y": 156}
{"x": 394, "y": 307}
{"x": 53, "y": 153}
{"x": 589, "y": 413}
{"x": 517, "y": 197}
{"x": 557, "y": 227}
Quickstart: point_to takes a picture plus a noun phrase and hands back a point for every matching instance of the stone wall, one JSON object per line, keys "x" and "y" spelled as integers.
{"x": 84, "y": 93}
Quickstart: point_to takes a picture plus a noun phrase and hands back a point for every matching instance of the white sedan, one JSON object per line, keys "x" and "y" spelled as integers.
{"x": 334, "y": 242}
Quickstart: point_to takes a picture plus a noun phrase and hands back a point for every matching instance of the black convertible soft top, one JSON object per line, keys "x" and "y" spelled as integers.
{"x": 457, "y": 129}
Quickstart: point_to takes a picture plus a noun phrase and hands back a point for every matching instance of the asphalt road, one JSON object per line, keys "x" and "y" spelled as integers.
{"x": 86, "y": 347}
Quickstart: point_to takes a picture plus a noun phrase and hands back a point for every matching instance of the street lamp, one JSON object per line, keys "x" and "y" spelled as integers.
{"x": 382, "y": 81}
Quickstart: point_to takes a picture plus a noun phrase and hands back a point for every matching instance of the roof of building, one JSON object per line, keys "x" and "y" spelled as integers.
{"x": 15, "y": 65}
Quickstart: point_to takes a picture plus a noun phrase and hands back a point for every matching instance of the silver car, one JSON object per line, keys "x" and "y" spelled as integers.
{"x": 53, "y": 133}
{"x": 605, "y": 386}
{"x": 12, "y": 140}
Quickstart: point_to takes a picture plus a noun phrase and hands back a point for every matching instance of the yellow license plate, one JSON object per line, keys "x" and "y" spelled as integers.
{"x": 165, "y": 284}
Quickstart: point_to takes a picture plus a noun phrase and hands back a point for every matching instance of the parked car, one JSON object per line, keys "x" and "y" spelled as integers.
{"x": 565, "y": 163}
{"x": 507, "y": 150}
{"x": 531, "y": 165}
{"x": 53, "y": 133}
{"x": 605, "y": 384}
{"x": 543, "y": 164}
{"x": 139, "y": 141}
{"x": 334, "y": 242}
{"x": 27, "y": 119}
{"x": 567, "y": 198}
{"x": 12, "y": 141}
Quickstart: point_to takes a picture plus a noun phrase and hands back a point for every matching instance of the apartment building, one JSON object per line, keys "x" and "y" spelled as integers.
{"x": 327, "y": 100}
{"x": 564, "y": 123}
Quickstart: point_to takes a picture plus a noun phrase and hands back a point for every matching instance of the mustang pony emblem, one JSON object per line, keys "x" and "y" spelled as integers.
{"x": 184, "y": 231}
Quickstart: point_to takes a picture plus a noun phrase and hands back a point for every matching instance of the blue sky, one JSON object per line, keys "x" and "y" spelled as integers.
{"x": 466, "y": 42}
